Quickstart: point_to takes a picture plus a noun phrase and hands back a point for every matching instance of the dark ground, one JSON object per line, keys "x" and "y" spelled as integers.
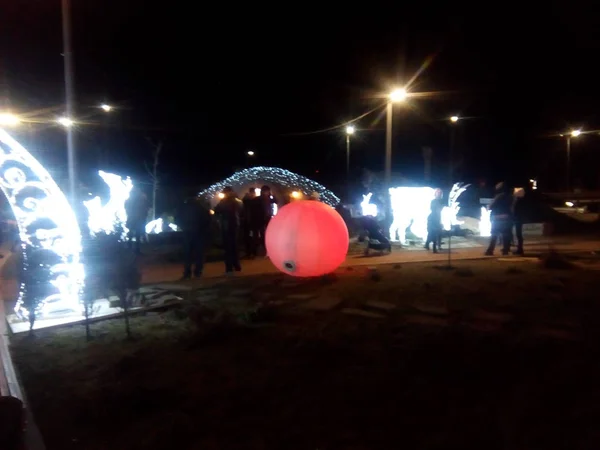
{"x": 491, "y": 355}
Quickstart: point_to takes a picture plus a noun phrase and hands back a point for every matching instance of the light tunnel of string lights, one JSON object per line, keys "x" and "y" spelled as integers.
{"x": 48, "y": 228}
{"x": 279, "y": 180}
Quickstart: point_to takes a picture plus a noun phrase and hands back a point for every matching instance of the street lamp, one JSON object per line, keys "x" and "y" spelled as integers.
{"x": 572, "y": 134}
{"x": 454, "y": 119}
{"x": 396, "y": 96}
{"x": 349, "y": 131}
{"x": 106, "y": 108}
{"x": 250, "y": 153}
{"x": 65, "y": 122}
{"x": 8, "y": 119}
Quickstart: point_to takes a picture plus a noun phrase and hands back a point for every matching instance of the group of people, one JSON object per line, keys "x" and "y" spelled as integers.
{"x": 250, "y": 216}
{"x": 506, "y": 211}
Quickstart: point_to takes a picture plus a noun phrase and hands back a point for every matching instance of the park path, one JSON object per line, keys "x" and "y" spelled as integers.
{"x": 159, "y": 273}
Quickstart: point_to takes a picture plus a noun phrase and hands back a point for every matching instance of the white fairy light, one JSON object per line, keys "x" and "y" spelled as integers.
{"x": 47, "y": 226}
{"x": 275, "y": 175}
{"x": 103, "y": 218}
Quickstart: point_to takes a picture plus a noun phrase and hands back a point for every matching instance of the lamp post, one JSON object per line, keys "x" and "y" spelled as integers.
{"x": 572, "y": 134}
{"x": 70, "y": 96}
{"x": 453, "y": 121}
{"x": 349, "y": 132}
{"x": 396, "y": 96}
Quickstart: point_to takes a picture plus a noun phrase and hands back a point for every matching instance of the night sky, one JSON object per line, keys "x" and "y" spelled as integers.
{"x": 215, "y": 80}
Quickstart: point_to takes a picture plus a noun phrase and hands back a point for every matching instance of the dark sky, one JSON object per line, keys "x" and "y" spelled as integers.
{"x": 214, "y": 80}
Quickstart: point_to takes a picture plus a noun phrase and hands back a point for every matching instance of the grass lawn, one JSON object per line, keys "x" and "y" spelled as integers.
{"x": 490, "y": 355}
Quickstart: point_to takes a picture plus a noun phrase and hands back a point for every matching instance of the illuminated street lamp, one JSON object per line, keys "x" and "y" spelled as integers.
{"x": 454, "y": 119}
{"x": 349, "y": 132}
{"x": 571, "y": 134}
{"x": 8, "y": 119}
{"x": 250, "y": 153}
{"x": 106, "y": 108}
{"x": 65, "y": 122}
{"x": 396, "y": 96}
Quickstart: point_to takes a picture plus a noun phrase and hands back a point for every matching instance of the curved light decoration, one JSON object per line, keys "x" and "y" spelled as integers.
{"x": 104, "y": 217}
{"x": 274, "y": 175}
{"x": 47, "y": 225}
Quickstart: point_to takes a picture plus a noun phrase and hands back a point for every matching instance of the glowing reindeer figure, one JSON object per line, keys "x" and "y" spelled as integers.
{"x": 104, "y": 217}
{"x": 485, "y": 224}
{"x": 450, "y": 212}
{"x": 368, "y": 208}
{"x": 410, "y": 208}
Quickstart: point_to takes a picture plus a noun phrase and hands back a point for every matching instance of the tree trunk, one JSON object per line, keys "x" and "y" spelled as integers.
{"x": 125, "y": 304}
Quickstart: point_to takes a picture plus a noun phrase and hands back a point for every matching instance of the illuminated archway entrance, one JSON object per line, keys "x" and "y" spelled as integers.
{"x": 48, "y": 226}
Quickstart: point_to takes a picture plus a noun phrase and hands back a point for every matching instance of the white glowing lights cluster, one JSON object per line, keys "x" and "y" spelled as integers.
{"x": 410, "y": 208}
{"x": 485, "y": 223}
{"x": 368, "y": 208}
{"x": 412, "y": 205}
{"x": 156, "y": 226}
{"x": 273, "y": 175}
{"x": 450, "y": 212}
{"x": 103, "y": 218}
{"x": 47, "y": 226}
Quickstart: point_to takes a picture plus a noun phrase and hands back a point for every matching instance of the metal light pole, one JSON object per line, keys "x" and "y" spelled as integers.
{"x": 453, "y": 121}
{"x": 398, "y": 95}
{"x": 69, "y": 94}
{"x": 349, "y": 132}
{"x": 573, "y": 133}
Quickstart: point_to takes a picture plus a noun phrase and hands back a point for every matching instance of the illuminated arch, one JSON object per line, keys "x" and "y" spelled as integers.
{"x": 47, "y": 225}
{"x": 275, "y": 175}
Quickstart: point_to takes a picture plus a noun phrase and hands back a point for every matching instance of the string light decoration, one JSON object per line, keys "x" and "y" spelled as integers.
{"x": 274, "y": 175}
{"x": 103, "y": 218}
{"x": 48, "y": 230}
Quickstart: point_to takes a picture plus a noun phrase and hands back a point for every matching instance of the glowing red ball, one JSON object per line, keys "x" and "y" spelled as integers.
{"x": 307, "y": 239}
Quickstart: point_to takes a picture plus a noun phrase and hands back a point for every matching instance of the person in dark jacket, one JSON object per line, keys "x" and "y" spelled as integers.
{"x": 194, "y": 220}
{"x": 434, "y": 222}
{"x": 264, "y": 211}
{"x": 501, "y": 218}
{"x": 250, "y": 227}
{"x": 518, "y": 214}
{"x": 229, "y": 210}
{"x": 136, "y": 207}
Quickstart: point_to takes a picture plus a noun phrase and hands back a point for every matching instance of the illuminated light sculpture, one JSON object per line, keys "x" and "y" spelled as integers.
{"x": 368, "y": 208}
{"x": 103, "y": 218}
{"x": 450, "y": 212}
{"x": 410, "y": 208}
{"x": 48, "y": 228}
{"x": 307, "y": 239}
{"x": 485, "y": 223}
{"x": 274, "y": 175}
{"x": 157, "y": 226}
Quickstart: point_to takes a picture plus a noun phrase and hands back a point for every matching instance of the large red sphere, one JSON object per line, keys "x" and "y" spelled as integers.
{"x": 307, "y": 239}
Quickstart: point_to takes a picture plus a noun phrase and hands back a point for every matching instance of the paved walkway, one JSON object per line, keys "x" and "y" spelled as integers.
{"x": 160, "y": 273}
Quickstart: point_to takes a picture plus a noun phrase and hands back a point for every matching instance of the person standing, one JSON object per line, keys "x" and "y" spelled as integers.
{"x": 136, "y": 208}
{"x": 501, "y": 219}
{"x": 518, "y": 214}
{"x": 434, "y": 222}
{"x": 264, "y": 211}
{"x": 229, "y": 210}
{"x": 194, "y": 220}
{"x": 250, "y": 228}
